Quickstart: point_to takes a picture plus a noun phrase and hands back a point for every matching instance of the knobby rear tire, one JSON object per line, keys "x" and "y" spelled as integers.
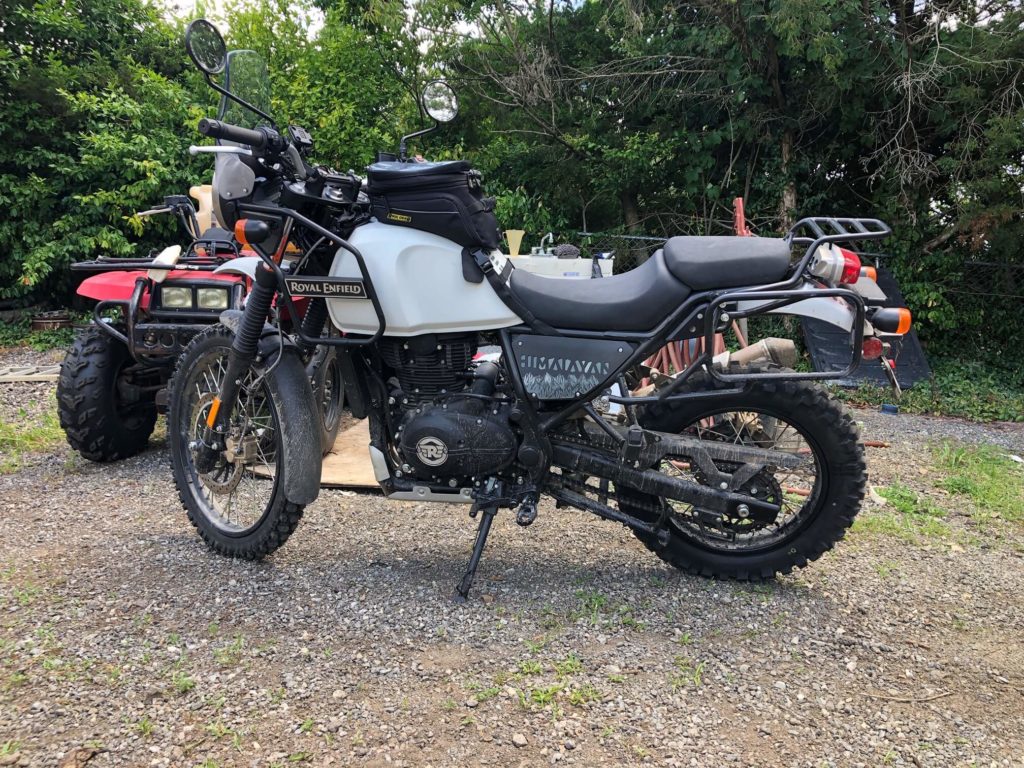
{"x": 824, "y": 421}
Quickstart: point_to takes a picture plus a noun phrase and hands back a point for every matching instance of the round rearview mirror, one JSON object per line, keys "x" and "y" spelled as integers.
{"x": 205, "y": 46}
{"x": 440, "y": 101}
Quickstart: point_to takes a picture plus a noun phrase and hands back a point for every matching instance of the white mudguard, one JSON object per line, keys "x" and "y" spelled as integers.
{"x": 420, "y": 284}
{"x": 243, "y": 265}
{"x": 831, "y": 309}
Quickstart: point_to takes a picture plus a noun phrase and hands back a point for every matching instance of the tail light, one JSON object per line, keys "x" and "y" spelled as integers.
{"x": 872, "y": 348}
{"x": 836, "y": 265}
{"x": 851, "y": 267}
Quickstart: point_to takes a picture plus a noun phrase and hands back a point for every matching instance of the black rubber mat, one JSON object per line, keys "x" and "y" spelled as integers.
{"x": 829, "y": 347}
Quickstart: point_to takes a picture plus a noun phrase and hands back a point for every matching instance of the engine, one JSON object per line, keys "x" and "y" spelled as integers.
{"x": 450, "y": 424}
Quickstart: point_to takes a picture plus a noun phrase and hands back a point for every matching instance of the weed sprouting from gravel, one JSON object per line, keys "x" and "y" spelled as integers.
{"x": 986, "y": 475}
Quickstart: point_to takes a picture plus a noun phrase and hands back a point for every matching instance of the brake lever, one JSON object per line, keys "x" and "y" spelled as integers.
{"x": 155, "y": 211}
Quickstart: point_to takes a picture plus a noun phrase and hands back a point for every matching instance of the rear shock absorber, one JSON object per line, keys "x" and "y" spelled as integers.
{"x": 240, "y": 358}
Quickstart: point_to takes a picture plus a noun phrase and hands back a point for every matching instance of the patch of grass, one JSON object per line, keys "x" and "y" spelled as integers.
{"x": 908, "y": 517}
{"x": 592, "y": 605}
{"x": 687, "y": 673}
{"x": 571, "y": 665}
{"x": 230, "y": 654}
{"x": 986, "y": 475}
{"x": 182, "y": 682}
{"x": 584, "y": 695}
{"x": 972, "y": 390}
{"x": 530, "y": 667}
{"x": 909, "y": 528}
{"x": 486, "y": 694}
{"x": 10, "y": 747}
{"x": 28, "y": 434}
{"x": 144, "y": 727}
{"x": 540, "y": 697}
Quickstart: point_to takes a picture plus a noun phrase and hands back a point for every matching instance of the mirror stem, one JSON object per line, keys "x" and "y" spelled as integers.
{"x": 413, "y": 135}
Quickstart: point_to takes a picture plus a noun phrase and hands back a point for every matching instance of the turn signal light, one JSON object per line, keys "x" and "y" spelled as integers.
{"x": 891, "y": 320}
{"x": 904, "y": 324}
{"x": 870, "y": 273}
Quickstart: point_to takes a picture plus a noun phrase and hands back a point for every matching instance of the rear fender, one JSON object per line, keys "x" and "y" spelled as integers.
{"x": 830, "y": 309}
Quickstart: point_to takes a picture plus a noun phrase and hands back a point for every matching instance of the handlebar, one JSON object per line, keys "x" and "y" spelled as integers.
{"x": 215, "y": 129}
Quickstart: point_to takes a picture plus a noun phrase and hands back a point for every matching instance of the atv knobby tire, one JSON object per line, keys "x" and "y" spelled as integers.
{"x": 98, "y": 424}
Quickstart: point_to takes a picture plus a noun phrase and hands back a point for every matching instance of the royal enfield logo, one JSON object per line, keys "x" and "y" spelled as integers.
{"x": 326, "y": 288}
{"x": 432, "y": 451}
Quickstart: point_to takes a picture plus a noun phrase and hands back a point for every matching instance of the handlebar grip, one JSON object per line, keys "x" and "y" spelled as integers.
{"x": 215, "y": 129}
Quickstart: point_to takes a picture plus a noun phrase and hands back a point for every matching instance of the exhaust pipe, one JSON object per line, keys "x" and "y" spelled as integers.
{"x": 780, "y": 352}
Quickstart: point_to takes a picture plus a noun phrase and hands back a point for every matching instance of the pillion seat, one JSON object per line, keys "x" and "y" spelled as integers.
{"x": 704, "y": 263}
{"x": 640, "y": 299}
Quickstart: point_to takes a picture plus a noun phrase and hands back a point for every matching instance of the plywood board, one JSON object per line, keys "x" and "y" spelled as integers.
{"x": 348, "y": 463}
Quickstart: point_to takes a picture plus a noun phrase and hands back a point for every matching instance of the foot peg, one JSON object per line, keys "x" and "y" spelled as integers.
{"x": 526, "y": 513}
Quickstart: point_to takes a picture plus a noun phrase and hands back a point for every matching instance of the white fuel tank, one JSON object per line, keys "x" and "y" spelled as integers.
{"x": 419, "y": 282}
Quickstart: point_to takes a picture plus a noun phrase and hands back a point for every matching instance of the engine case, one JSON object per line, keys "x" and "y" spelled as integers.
{"x": 463, "y": 440}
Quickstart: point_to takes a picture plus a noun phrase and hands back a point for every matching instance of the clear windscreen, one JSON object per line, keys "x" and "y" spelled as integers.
{"x": 247, "y": 77}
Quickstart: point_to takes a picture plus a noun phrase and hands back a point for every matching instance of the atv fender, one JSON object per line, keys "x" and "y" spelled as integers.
{"x": 299, "y": 415}
{"x": 243, "y": 265}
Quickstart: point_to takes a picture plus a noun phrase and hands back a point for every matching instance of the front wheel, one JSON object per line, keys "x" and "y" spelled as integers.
{"x": 818, "y": 499}
{"x": 239, "y": 507}
{"x": 106, "y": 402}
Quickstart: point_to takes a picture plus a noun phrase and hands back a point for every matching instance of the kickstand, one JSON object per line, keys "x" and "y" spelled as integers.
{"x": 462, "y": 591}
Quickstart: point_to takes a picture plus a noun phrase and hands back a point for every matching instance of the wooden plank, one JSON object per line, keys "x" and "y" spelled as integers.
{"x": 348, "y": 464}
{"x": 28, "y": 373}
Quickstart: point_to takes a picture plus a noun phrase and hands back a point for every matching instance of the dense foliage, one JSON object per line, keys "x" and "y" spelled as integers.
{"x": 643, "y": 116}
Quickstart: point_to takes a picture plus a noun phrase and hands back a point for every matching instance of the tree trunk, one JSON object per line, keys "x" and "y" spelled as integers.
{"x": 787, "y": 204}
{"x": 630, "y": 209}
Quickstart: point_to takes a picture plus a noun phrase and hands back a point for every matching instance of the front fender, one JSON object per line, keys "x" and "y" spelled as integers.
{"x": 293, "y": 397}
{"x": 830, "y": 309}
{"x": 243, "y": 265}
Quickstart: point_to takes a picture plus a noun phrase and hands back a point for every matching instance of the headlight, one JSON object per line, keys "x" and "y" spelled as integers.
{"x": 175, "y": 297}
{"x": 212, "y": 298}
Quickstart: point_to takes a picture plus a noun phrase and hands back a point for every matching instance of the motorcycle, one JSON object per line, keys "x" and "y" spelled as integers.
{"x": 730, "y": 469}
{"x": 114, "y": 377}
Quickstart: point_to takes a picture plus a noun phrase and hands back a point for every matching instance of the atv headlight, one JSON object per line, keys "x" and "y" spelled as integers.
{"x": 212, "y": 298}
{"x": 175, "y": 297}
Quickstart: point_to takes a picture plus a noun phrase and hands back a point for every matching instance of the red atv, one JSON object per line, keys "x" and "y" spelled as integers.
{"x": 113, "y": 381}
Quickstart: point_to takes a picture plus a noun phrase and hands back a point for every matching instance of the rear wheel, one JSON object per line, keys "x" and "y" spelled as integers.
{"x": 818, "y": 498}
{"x": 105, "y": 400}
{"x": 239, "y": 507}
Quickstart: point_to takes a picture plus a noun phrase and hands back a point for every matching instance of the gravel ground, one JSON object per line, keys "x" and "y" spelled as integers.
{"x": 124, "y": 642}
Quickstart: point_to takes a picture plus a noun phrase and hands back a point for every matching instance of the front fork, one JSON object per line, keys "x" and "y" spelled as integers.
{"x": 240, "y": 358}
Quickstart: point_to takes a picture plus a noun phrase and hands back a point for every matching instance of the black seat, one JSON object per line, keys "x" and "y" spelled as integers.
{"x": 727, "y": 262}
{"x": 634, "y": 301}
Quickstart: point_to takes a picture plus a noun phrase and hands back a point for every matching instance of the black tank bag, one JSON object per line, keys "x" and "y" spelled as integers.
{"x": 443, "y": 198}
